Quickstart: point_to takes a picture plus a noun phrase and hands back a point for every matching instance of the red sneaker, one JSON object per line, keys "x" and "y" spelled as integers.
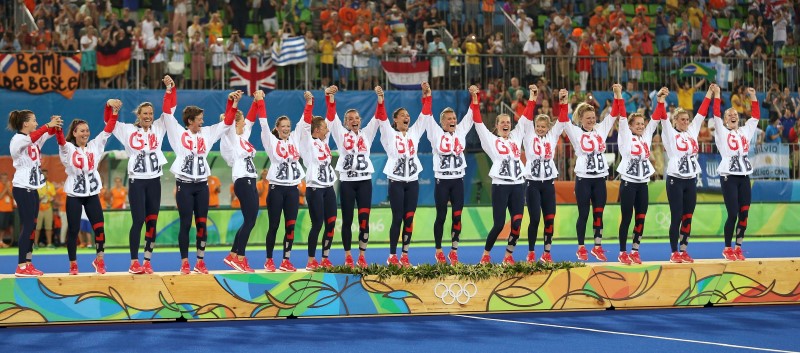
{"x": 185, "y": 270}
{"x": 200, "y": 267}
{"x": 362, "y": 261}
{"x": 392, "y": 260}
{"x": 33, "y": 271}
{"x": 486, "y": 259}
{"x": 348, "y": 261}
{"x": 453, "y": 256}
{"x": 135, "y": 268}
{"x": 508, "y": 259}
{"x": 148, "y": 269}
{"x": 244, "y": 265}
{"x": 531, "y": 258}
{"x": 404, "y": 260}
{"x": 739, "y": 254}
{"x": 599, "y": 253}
{"x": 269, "y": 265}
{"x": 73, "y": 268}
{"x": 99, "y": 266}
{"x": 230, "y": 261}
{"x": 440, "y": 259}
{"x": 312, "y": 265}
{"x": 287, "y": 266}
{"x": 325, "y": 263}
{"x": 675, "y": 258}
{"x": 23, "y": 272}
{"x": 546, "y": 258}
{"x": 582, "y": 254}
{"x": 728, "y": 254}
{"x": 686, "y": 258}
{"x": 634, "y": 256}
{"x": 623, "y": 258}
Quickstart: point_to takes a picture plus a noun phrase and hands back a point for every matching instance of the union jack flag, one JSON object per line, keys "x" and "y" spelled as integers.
{"x": 251, "y": 74}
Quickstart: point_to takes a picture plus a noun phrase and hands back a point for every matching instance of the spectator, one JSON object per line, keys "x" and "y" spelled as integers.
{"x": 362, "y": 49}
{"x": 454, "y": 55}
{"x": 24, "y": 38}
{"x": 255, "y": 49}
{"x": 774, "y": 131}
{"x": 126, "y": 22}
{"x": 236, "y": 45}
{"x": 533, "y": 52}
{"x": 235, "y": 203}
{"x": 789, "y": 55}
{"x": 195, "y": 27}
{"x": 9, "y": 43}
{"x": 326, "y": 49}
{"x": 177, "y": 64}
{"x": 740, "y": 102}
{"x": 149, "y": 25}
{"x": 179, "y": 18}
{"x": 214, "y": 189}
{"x": 214, "y": 28}
{"x": 396, "y": 20}
{"x": 218, "y": 59}
{"x": 312, "y": 50}
{"x": 686, "y": 93}
{"x": 471, "y": 17}
{"x": 633, "y": 98}
{"x": 433, "y": 24}
{"x": 635, "y": 61}
{"x": 158, "y": 58}
{"x": 6, "y": 208}
{"x": 600, "y": 52}
{"x": 119, "y": 195}
{"x": 88, "y": 58}
{"x": 437, "y": 52}
{"x": 47, "y": 195}
{"x": 779, "y": 25}
{"x": 524, "y": 23}
{"x": 43, "y": 38}
{"x": 705, "y": 138}
{"x": 198, "y": 66}
{"x": 381, "y": 30}
{"x": 268, "y": 15}
{"x": 375, "y": 68}
{"x": 662, "y": 30}
{"x": 404, "y": 51}
{"x": 739, "y": 56}
{"x": 788, "y": 121}
{"x": 518, "y": 104}
{"x": 456, "y": 18}
{"x": 263, "y": 189}
{"x": 344, "y": 58}
{"x": 471, "y": 50}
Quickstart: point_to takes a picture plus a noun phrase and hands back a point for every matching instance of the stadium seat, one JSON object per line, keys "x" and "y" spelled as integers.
{"x": 542, "y": 19}
{"x": 652, "y": 9}
{"x": 629, "y": 9}
{"x": 724, "y": 24}
{"x": 251, "y": 29}
{"x": 649, "y": 77}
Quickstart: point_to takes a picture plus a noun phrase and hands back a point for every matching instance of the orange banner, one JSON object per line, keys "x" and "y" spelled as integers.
{"x": 40, "y": 72}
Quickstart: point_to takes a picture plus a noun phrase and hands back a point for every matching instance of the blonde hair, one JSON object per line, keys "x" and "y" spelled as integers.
{"x": 678, "y": 111}
{"x": 494, "y": 131}
{"x": 445, "y": 111}
{"x": 138, "y": 110}
{"x": 634, "y": 116}
{"x": 542, "y": 117}
{"x": 579, "y": 111}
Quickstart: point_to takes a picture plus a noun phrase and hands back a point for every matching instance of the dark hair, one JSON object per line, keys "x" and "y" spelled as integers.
{"x": 191, "y": 112}
{"x": 17, "y": 118}
{"x": 71, "y": 131}
{"x": 317, "y": 123}
{"x": 394, "y": 115}
{"x": 277, "y": 122}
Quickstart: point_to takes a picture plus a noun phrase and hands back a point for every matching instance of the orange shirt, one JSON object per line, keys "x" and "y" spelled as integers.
{"x": 488, "y": 5}
{"x": 61, "y": 198}
{"x": 635, "y": 61}
{"x": 103, "y": 199}
{"x": 359, "y": 30}
{"x": 596, "y": 20}
{"x": 7, "y": 201}
{"x": 302, "y": 189}
{"x": 365, "y": 13}
{"x": 213, "y": 191}
{"x": 262, "y": 186}
{"x": 118, "y": 197}
{"x": 382, "y": 33}
{"x": 601, "y": 51}
{"x": 235, "y": 203}
{"x": 348, "y": 16}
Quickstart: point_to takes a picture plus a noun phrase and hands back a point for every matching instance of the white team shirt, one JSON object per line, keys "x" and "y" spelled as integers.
{"x": 540, "y": 150}
{"x": 284, "y": 156}
{"x": 354, "y": 163}
{"x": 734, "y": 146}
{"x": 635, "y": 152}
{"x": 317, "y": 159}
{"x": 145, "y": 158}
{"x": 507, "y": 168}
{"x": 191, "y": 149}
{"x": 80, "y": 164}
{"x": 449, "y": 161}
{"x": 589, "y": 147}
{"x": 401, "y": 149}
{"x": 27, "y": 157}
{"x": 237, "y": 150}
{"x": 682, "y": 147}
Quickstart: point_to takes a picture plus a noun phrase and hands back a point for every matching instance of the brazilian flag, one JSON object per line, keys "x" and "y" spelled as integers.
{"x": 696, "y": 70}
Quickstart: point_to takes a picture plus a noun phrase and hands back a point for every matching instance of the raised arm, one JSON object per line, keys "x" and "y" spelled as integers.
{"x": 167, "y": 120}
{"x": 608, "y": 121}
{"x": 304, "y": 125}
{"x": 659, "y": 114}
{"x": 380, "y": 116}
{"x": 426, "y": 115}
{"x": 697, "y": 122}
{"x": 755, "y": 112}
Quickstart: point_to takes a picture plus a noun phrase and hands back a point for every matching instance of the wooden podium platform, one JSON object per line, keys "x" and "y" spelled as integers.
{"x": 120, "y": 297}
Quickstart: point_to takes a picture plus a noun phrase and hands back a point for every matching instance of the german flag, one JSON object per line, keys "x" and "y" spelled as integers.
{"x": 113, "y": 60}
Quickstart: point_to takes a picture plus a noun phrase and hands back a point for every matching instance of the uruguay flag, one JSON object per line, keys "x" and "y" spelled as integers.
{"x": 406, "y": 75}
{"x": 291, "y": 51}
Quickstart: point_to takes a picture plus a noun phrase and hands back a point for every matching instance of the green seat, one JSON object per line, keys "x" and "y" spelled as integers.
{"x": 541, "y": 20}
{"x": 649, "y": 77}
{"x": 539, "y": 34}
{"x": 629, "y": 9}
{"x": 251, "y": 29}
{"x": 724, "y": 24}
{"x": 652, "y": 9}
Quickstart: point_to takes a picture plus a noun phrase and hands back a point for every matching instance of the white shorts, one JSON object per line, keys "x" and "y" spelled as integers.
{"x": 437, "y": 71}
{"x": 270, "y": 24}
{"x": 634, "y": 74}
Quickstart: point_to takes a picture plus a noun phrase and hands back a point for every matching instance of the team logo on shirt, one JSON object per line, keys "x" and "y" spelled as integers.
{"x": 591, "y": 144}
{"x": 640, "y": 148}
{"x": 503, "y": 148}
{"x": 79, "y": 161}
{"x": 683, "y": 143}
{"x": 734, "y": 143}
{"x": 350, "y": 142}
{"x": 404, "y": 145}
{"x": 188, "y": 143}
{"x": 33, "y": 152}
{"x": 246, "y": 145}
{"x": 287, "y": 151}
{"x": 539, "y": 145}
{"x": 136, "y": 141}
{"x": 446, "y": 145}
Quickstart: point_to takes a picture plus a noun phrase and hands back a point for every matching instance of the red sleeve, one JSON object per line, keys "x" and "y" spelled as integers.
{"x": 427, "y": 105}
{"x": 380, "y": 111}
{"x": 307, "y": 112}
{"x": 111, "y": 122}
{"x": 262, "y": 109}
{"x": 755, "y": 110}
{"x": 704, "y": 107}
{"x": 35, "y": 135}
{"x": 661, "y": 112}
{"x": 107, "y": 111}
{"x": 793, "y": 135}
{"x": 621, "y": 108}
{"x": 476, "y": 113}
{"x": 563, "y": 113}
{"x": 60, "y": 137}
{"x": 330, "y": 114}
{"x": 528, "y": 113}
{"x": 230, "y": 113}
{"x": 614, "y": 108}
{"x": 251, "y": 114}
{"x": 170, "y": 101}
{"x": 717, "y": 111}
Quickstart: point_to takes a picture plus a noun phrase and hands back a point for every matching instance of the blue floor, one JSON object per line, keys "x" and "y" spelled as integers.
{"x": 765, "y": 328}
{"x": 170, "y": 261}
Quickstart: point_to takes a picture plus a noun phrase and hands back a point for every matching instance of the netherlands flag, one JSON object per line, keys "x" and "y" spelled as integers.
{"x": 406, "y": 75}
{"x": 73, "y": 63}
{"x": 6, "y": 60}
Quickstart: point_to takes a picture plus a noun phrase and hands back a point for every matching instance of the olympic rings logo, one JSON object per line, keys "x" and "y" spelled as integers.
{"x": 455, "y": 292}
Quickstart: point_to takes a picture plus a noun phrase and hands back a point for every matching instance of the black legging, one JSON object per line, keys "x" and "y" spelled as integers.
{"x": 354, "y": 193}
{"x": 594, "y": 190}
{"x": 74, "y": 208}
{"x": 145, "y": 200}
{"x": 192, "y": 198}
{"x": 452, "y": 191}
{"x": 284, "y": 199}
{"x": 633, "y": 196}
{"x": 403, "y": 198}
{"x": 737, "y": 194}
{"x": 511, "y": 198}
{"x": 541, "y": 197}
{"x": 682, "y": 196}
{"x": 28, "y": 207}
{"x": 321, "y": 210}
{"x": 245, "y": 191}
